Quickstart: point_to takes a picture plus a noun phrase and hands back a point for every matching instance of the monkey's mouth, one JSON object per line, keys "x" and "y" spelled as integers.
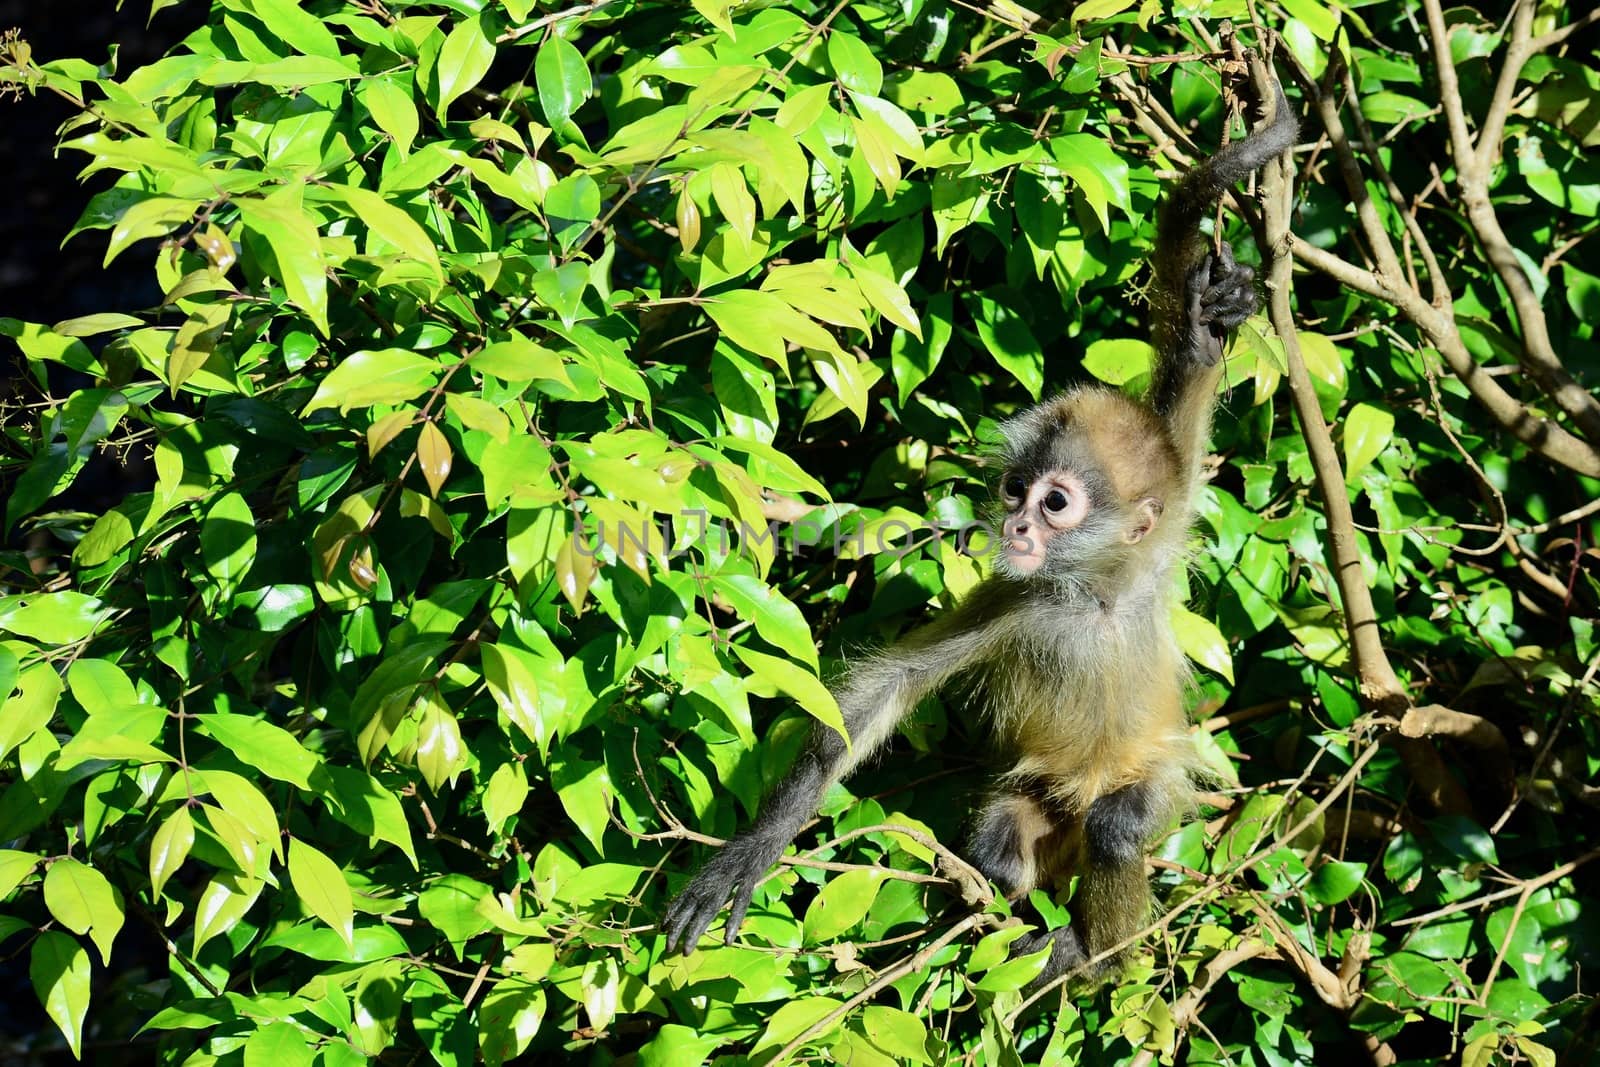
{"x": 1024, "y": 554}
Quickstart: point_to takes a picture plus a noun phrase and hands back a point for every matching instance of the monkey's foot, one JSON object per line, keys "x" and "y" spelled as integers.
{"x": 730, "y": 876}
{"x": 1219, "y": 294}
{"x": 1231, "y": 297}
{"x": 1066, "y": 953}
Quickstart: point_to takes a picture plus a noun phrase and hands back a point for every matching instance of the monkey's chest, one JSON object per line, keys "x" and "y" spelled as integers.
{"x": 1089, "y": 727}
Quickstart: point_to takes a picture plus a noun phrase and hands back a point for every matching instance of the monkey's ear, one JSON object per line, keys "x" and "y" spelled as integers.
{"x": 1147, "y": 512}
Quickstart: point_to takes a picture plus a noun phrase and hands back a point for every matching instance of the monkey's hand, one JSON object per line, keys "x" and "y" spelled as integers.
{"x": 1219, "y": 294}
{"x": 735, "y": 871}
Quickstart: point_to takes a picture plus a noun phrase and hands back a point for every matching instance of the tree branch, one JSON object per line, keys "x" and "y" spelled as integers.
{"x": 1473, "y": 164}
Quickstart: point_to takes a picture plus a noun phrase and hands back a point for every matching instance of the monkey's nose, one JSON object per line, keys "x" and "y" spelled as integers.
{"x": 1019, "y": 529}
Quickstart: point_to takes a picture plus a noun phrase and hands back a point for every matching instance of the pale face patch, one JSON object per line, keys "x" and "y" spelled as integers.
{"x": 1036, "y": 511}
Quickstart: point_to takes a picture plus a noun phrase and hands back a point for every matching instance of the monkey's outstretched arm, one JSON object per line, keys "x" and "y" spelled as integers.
{"x": 873, "y": 698}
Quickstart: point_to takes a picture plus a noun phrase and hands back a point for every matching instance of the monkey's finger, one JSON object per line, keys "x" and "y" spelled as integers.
{"x": 1233, "y": 308}
{"x": 687, "y": 919}
{"x": 1225, "y": 263}
{"x": 1240, "y": 278}
{"x": 736, "y": 912}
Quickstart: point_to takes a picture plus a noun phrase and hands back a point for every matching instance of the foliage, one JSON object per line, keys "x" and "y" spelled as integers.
{"x": 493, "y": 337}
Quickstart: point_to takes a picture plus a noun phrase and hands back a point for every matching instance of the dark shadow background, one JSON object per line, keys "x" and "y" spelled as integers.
{"x": 43, "y": 281}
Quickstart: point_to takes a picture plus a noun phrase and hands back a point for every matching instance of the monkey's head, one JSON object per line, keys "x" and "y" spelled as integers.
{"x": 1084, "y": 481}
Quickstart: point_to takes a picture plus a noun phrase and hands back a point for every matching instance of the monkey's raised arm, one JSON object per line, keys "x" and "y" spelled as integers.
{"x": 873, "y": 697}
{"x": 1199, "y": 297}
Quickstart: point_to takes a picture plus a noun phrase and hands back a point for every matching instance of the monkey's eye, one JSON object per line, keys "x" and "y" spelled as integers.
{"x": 1055, "y": 501}
{"x": 1014, "y": 486}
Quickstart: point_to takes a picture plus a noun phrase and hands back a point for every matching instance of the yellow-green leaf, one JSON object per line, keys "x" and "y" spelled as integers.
{"x": 1202, "y": 642}
{"x": 169, "y": 847}
{"x": 281, "y": 220}
{"x": 322, "y": 888}
{"x": 1367, "y": 432}
{"x": 389, "y": 223}
{"x": 464, "y": 59}
{"x": 222, "y": 904}
{"x": 374, "y": 376}
{"x": 433, "y": 456}
{"x": 84, "y": 902}
{"x": 59, "y": 969}
{"x": 440, "y": 752}
{"x": 780, "y": 675}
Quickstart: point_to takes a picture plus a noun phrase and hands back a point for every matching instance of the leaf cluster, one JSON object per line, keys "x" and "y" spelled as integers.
{"x": 541, "y": 401}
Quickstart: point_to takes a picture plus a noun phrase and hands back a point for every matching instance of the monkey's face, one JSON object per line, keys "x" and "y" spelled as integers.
{"x": 1037, "y": 511}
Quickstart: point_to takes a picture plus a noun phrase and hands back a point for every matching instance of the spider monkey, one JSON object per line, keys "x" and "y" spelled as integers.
{"x": 1068, "y": 643}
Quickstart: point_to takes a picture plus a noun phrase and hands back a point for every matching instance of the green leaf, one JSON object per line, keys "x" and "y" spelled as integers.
{"x": 390, "y": 224}
{"x": 780, "y": 675}
{"x": 451, "y": 906}
{"x": 31, "y": 708}
{"x": 504, "y": 796}
{"x": 228, "y": 540}
{"x": 1202, "y": 642}
{"x": 393, "y": 109}
{"x": 464, "y": 59}
{"x": 1464, "y": 837}
{"x": 90, "y": 325}
{"x": 98, "y": 685}
{"x": 1118, "y": 361}
{"x": 584, "y": 789}
{"x": 298, "y": 28}
{"x": 843, "y": 902}
{"x": 82, "y": 900}
{"x": 66, "y": 440}
{"x": 268, "y": 748}
{"x": 678, "y": 1046}
{"x": 169, "y": 847}
{"x": 517, "y": 359}
{"x": 509, "y": 1018}
{"x": 512, "y": 675}
{"x": 59, "y": 969}
{"x": 889, "y": 299}
{"x": 899, "y": 1033}
{"x": 1099, "y": 9}
{"x": 14, "y": 867}
{"x": 440, "y": 753}
{"x": 52, "y": 618}
{"x": 222, "y": 904}
{"x": 1007, "y": 337}
{"x": 563, "y": 81}
{"x": 775, "y": 618}
{"x": 367, "y": 378}
{"x": 1367, "y": 432}
{"x": 1323, "y": 362}
{"x": 322, "y": 888}
{"x": 1321, "y": 21}
{"x": 1335, "y": 881}
{"x": 281, "y": 221}
{"x": 854, "y": 64}
{"x": 280, "y": 1044}
{"x": 793, "y": 1019}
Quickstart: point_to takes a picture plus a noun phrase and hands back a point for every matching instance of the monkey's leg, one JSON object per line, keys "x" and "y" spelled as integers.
{"x": 1016, "y": 842}
{"x": 1019, "y": 843}
{"x": 1113, "y": 896}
